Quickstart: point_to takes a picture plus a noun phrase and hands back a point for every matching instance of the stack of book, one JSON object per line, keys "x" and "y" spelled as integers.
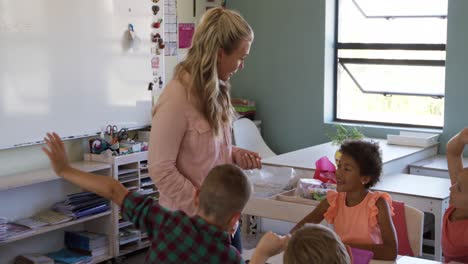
{"x": 69, "y": 257}
{"x": 244, "y": 107}
{"x": 43, "y": 218}
{"x": 87, "y": 243}
{"x": 33, "y": 259}
{"x": 82, "y": 204}
{"x": 13, "y": 230}
{"x": 3, "y": 228}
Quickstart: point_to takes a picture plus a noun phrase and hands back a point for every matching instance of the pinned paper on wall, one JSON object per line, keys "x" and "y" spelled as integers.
{"x": 186, "y": 31}
{"x": 155, "y": 63}
{"x": 170, "y": 28}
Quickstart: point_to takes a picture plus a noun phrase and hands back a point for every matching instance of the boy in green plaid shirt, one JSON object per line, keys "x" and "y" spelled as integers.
{"x": 175, "y": 237}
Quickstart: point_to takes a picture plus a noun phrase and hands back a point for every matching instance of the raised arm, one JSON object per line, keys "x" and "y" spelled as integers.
{"x": 388, "y": 250}
{"x": 315, "y": 217}
{"x": 454, "y": 154}
{"x": 104, "y": 186}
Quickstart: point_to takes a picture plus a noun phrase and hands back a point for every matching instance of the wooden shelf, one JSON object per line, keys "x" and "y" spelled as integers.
{"x": 49, "y": 228}
{"x": 146, "y": 184}
{"x": 133, "y": 248}
{"x": 44, "y": 175}
{"x": 127, "y": 171}
{"x": 101, "y": 259}
{"x": 129, "y": 180}
{"x": 124, "y": 224}
{"x": 128, "y": 240}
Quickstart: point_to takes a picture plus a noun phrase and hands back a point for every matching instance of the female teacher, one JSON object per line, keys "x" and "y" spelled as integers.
{"x": 191, "y": 123}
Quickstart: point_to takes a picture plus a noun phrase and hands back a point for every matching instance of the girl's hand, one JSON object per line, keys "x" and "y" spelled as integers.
{"x": 246, "y": 159}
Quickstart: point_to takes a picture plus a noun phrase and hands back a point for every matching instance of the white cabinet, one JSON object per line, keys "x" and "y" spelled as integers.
{"x": 132, "y": 171}
{"x": 25, "y": 194}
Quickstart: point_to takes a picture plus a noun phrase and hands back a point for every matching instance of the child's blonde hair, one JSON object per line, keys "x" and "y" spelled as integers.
{"x": 315, "y": 244}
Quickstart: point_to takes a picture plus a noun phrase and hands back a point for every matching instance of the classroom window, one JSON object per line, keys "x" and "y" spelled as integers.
{"x": 391, "y": 62}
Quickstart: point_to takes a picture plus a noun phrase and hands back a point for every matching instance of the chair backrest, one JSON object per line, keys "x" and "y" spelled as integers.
{"x": 409, "y": 224}
{"x": 247, "y": 136}
{"x": 415, "y": 225}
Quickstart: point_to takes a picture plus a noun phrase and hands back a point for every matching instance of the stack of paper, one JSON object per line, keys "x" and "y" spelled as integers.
{"x": 33, "y": 259}
{"x": 30, "y": 222}
{"x": 51, "y": 217}
{"x": 3, "y": 228}
{"x": 13, "y": 231}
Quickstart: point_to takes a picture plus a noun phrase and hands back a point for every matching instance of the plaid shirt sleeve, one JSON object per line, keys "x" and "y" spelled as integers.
{"x": 145, "y": 213}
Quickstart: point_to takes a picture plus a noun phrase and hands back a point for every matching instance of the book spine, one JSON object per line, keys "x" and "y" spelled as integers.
{"x": 73, "y": 240}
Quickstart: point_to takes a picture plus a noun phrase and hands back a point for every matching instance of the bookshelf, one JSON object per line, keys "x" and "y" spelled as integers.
{"x": 25, "y": 194}
{"x": 132, "y": 171}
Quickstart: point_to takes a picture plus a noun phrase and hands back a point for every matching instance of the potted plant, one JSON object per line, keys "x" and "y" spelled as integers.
{"x": 342, "y": 134}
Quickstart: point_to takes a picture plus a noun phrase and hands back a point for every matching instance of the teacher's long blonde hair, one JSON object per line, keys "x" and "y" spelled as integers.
{"x": 219, "y": 28}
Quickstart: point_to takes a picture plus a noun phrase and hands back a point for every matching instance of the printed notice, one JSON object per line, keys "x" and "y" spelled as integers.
{"x": 185, "y": 35}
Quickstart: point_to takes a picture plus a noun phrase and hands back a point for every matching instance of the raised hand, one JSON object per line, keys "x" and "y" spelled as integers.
{"x": 55, "y": 150}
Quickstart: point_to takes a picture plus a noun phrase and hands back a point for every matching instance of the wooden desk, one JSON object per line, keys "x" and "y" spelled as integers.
{"x": 434, "y": 166}
{"x": 428, "y": 194}
{"x": 278, "y": 259}
{"x": 395, "y": 158}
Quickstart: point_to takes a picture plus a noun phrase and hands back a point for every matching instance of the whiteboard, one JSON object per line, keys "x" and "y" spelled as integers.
{"x": 69, "y": 66}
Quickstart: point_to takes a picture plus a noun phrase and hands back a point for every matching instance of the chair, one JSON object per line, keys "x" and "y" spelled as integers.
{"x": 409, "y": 230}
{"x": 415, "y": 224}
{"x": 247, "y": 136}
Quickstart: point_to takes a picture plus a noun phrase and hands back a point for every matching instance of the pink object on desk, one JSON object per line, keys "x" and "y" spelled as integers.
{"x": 361, "y": 256}
{"x": 325, "y": 170}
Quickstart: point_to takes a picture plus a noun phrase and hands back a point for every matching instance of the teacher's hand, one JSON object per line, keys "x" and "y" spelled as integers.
{"x": 247, "y": 159}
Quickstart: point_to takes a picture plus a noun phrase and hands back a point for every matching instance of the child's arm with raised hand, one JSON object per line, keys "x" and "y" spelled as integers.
{"x": 458, "y": 174}
{"x": 388, "y": 250}
{"x": 105, "y": 186}
{"x": 455, "y": 148}
{"x": 315, "y": 217}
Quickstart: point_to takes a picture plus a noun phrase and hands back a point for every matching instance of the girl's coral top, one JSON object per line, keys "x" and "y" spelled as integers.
{"x": 357, "y": 224}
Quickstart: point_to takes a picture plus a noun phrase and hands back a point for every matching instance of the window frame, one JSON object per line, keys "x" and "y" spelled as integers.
{"x": 380, "y": 46}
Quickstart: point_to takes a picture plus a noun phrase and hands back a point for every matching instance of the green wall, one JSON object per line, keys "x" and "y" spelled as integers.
{"x": 284, "y": 73}
{"x": 290, "y": 71}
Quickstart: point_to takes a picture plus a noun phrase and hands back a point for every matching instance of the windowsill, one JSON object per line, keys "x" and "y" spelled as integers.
{"x": 372, "y": 129}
